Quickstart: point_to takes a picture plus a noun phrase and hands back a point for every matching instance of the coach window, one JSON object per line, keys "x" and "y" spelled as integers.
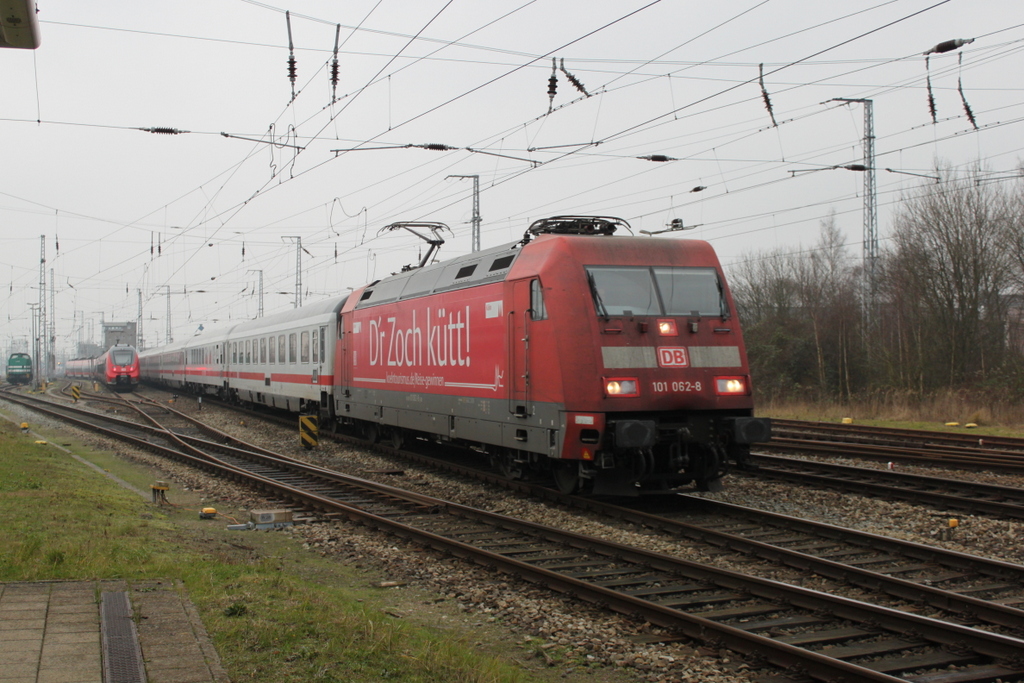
{"x": 234, "y": 352}
{"x": 316, "y": 355}
{"x": 272, "y": 344}
{"x": 281, "y": 341}
{"x": 292, "y": 348}
{"x": 248, "y": 351}
{"x": 263, "y": 349}
{"x": 538, "y": 311}
{"x": 305, "y": 346}
{"x": 323, "y": 343}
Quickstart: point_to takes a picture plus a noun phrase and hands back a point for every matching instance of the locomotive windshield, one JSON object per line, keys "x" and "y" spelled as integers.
{"x": 657, "y": 290}
{"x": 123, "y": 356}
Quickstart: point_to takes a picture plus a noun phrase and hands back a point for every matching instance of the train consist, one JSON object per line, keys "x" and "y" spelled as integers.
{"x": 612, "y": 364}
{"x": 19, "y": 368}
{"x": 117, "y": 368}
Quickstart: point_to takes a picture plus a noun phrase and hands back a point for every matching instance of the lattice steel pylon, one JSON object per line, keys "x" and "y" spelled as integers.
{"x": 870, "y": 207}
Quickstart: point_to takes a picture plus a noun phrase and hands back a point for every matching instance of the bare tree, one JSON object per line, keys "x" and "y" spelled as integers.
{"x": 944, "y": 280}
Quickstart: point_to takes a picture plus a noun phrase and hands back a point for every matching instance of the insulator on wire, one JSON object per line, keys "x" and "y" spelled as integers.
{"x": 436, "y": 147}
{"x": 949, "y": 45}
{"x": 764, "y": 94}
{"x": 552, "y": 84}
{"x": 243, "y": 250}
{"x": 960, "y": 89}
{"x": 292, "y": 72}
{"x": 931, "y": 95}
{"x": 334, "y": 65}
{"x": 572, "y": 79}
{"x": 657, "y": 157}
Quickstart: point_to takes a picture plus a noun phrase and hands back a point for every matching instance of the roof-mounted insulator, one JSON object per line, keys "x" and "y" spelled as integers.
{"x": 334, "y": 65}
{"x": 552, "y": 85}
{"x": 292, "y": 72}
{"x": 572, "y": 79}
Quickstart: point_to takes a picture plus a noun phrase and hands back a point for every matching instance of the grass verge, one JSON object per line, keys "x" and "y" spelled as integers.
{"x": 273, "y": 615}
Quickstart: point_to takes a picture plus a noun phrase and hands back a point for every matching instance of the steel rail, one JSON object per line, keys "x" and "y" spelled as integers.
{"x": 922, "y": 436}
{"x": 960, "y": 495}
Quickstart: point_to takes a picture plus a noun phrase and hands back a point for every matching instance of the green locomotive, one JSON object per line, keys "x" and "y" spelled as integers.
{"x": 19, "y": 368}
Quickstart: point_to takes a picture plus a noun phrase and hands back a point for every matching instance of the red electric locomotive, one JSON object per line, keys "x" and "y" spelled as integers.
{"x": 117, "y": 368}
{"x": 614, "y": 363}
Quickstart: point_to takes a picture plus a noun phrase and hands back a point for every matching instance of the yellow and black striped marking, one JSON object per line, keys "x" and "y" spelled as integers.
{"x": 76, "y": 393}
{"x": 309, "y": 429}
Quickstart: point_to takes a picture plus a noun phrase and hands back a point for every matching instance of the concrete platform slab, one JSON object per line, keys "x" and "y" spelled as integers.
{"x": 50, "y": 633}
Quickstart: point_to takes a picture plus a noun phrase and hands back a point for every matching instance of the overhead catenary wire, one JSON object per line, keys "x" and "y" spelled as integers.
{"x": 212, "y": 214}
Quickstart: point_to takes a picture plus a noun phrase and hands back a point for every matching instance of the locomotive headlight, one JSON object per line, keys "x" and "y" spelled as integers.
{"x": 667, "y": 328}
{"x": 731, "y": 386}
{"x": 621, "y": 387}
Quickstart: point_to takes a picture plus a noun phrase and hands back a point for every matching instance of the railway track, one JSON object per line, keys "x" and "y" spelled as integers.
{"x": 946, "y": 494}
{"x": 823, "y": 636}
{"x": 973, "y": 589}
{"x": 939, "y": 449}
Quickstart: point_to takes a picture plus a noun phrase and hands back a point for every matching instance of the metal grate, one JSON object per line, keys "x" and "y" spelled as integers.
{"x": 122, "y": 656}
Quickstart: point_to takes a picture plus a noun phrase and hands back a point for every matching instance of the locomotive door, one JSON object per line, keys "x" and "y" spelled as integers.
{"x": 519, "y": 349}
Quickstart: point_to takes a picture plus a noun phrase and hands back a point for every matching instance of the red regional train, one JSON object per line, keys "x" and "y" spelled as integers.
{"x": 611, "y": 364}
{"x": 117, "y": 368}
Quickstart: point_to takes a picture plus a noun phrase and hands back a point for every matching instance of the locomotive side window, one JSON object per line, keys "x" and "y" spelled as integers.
{"x": 273, "y": 349}
{"x": 659, "y": 290}
{"x": 538, "y": 311}
{"x": 685, "y": 290}
{"x": 304, "y": 349}
{"x": 292, "y": 348}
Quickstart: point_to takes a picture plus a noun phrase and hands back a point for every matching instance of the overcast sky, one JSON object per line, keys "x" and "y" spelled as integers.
{"x": 203, "y": 212}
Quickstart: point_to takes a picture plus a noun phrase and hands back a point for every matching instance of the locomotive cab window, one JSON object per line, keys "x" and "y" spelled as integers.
{"x": 659, "y": 290}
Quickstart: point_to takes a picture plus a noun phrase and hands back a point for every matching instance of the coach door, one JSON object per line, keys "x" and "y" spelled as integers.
{"x": 519, "y": 349}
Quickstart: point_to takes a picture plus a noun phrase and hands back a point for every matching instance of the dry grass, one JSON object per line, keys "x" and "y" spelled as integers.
{"x": 929, "y": 412}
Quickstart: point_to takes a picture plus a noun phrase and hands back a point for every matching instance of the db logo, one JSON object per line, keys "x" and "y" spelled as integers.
{"x": 673, "y": 357}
